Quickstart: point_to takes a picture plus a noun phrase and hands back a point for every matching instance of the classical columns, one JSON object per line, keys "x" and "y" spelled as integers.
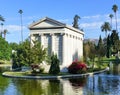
{"x": 42, "y": 39}
{"x": 52, "y": 43}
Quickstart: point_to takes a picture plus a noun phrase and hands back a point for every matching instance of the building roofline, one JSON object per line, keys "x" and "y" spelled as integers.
{"x": 60, "y": 25}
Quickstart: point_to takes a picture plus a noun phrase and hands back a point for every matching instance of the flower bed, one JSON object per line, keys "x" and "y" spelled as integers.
{"x": 77, "y": 67}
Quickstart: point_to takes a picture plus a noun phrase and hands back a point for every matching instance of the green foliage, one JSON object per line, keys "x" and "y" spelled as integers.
{"x": 26, "y": 55}
{"x": 108, "y": 47}
{"x": 54, "y": 68}
{"x": 101, "y": 48}
{"x": 37, "y": 69}
{"x": 89, "y": 50}
{"x": 106, "y": 27}
{"x": 114, "y": 40}
{"x": 5, "y": 50}
{"x": 14, "y": 46}
{"x": 38, "y": 54}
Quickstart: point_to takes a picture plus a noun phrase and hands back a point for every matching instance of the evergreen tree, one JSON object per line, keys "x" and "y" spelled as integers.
{"x": 26, "y": 55}
{"x": 114, "y": 40}
{"x": 5, "y": 50}
{"x": 100, "y": 43}
{"x": 100, "y": 48}
{"x": 108, "y": 47}
{"x": 54, "y": 68}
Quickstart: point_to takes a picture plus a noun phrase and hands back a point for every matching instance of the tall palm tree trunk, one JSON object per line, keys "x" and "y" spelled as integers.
{"x": 116, "y": 21}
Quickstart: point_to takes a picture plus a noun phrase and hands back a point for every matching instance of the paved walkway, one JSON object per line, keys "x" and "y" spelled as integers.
{"x": 53, "y": 77}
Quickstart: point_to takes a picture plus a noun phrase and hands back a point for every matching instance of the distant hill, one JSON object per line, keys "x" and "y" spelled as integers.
{"x": 95, "y": 41}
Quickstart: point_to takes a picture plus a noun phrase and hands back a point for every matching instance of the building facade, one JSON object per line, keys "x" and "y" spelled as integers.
{"x": 64, "y": 40}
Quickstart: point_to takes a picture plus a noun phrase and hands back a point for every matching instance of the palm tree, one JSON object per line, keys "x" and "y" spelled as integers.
{"x": 106, "y": 27}
{"x": 20, "y": 11}
{"x": 1, "y": 19}
{"x": 115, "y": 8}
{"x": 111, "y": 16}
{"x": 4, "y": 32}
{"x": 1, "y": 29}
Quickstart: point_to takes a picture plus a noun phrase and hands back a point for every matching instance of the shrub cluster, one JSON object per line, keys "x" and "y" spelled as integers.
{"x": 77, "y": 67}
{"x": 36, "y": 68}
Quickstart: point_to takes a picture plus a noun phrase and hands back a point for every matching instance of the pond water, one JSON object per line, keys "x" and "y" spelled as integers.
{"x": 100, "y": 84}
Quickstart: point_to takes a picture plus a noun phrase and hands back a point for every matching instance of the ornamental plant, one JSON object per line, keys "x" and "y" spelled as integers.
{"x": 77, "y": 67}
{"x": 54, "y": 68}
{"x": 36, "y": 68}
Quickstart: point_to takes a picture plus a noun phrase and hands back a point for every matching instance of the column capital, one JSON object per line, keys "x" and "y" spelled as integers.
{"x": 52, "y": 34}
{"x": 62, "y": 34}
{"x": 41, "y": 34}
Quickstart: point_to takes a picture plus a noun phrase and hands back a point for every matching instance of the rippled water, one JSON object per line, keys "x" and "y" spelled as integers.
{"x": 101, "y": 84}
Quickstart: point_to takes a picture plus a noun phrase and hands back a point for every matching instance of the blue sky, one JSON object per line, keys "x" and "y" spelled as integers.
{"x": 93, "y": 14}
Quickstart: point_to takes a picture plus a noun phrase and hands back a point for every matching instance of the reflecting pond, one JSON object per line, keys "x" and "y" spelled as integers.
{"x": 100, "y": 84}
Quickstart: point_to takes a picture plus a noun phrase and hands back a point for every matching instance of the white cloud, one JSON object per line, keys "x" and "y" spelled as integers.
{"x": 92, "y": 25}
{"x": 14, "y": 28}
{"x": 91, "y": 17}
{"x": 95, "y": 21}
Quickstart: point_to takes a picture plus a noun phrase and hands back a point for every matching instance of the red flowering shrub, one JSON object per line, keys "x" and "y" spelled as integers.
{"x": 77, "y": 67}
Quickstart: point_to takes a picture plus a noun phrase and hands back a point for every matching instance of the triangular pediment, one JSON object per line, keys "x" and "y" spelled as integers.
{"x": 46, "y": 23}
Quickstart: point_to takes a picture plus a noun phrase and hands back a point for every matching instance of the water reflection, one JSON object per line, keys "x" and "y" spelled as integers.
{"x": 109, "y": 84}
{"x": 116, "y": 69}
{"x": 54, "y": 87}
{"x": 4, "y": 82}
{"x": 100, "y": 84}
{"x": 78, "y": 82}
{"x": 77, "y": 85}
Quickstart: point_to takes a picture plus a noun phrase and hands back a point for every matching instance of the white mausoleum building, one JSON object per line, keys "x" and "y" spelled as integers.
{"x": 64, "y": 40}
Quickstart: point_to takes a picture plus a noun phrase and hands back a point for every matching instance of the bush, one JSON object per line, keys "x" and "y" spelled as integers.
{"x": 36, "y": 68}
{"x": 54, "y": 68}
{"x": 77, "y": 67}
{"x": 2, "y": 62}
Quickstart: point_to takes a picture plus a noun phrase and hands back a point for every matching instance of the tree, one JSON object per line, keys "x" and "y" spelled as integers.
{"x": 108, "y": 47}
{"x": 106, "y": 27}
{"x": 26, "y": 55}
{"x": 14, "y": 46}
{"x": 5, "y": 32}
{"x": 100, "y": 43}
{"x": 100, "y": 48}
{"x": 114, "y": 39}
{"x": 92, "y": 54}
{"x": 5, "y": 50}
{"x": 111, "y": 16}
{"x": 38, "y": 53}
{"x": 86, "y": 50}
{"x": 100, "y": 51}
{"x": 1, "y": 18}
{"x": 117, "y": 46}
{"x": 89, "y": 52}
{"x": 115, "y": 9}
{"x": 54, "y": 68}
{"x": 20, "y": 11}
{"x": 1, "y": 29}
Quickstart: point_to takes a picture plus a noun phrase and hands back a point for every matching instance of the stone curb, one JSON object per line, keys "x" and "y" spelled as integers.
{"x": 54, "y": 77}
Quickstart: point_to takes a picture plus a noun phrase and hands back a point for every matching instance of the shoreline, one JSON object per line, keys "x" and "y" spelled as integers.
{"x": 5, "y": 74}
{"x": 5, "y": 65}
